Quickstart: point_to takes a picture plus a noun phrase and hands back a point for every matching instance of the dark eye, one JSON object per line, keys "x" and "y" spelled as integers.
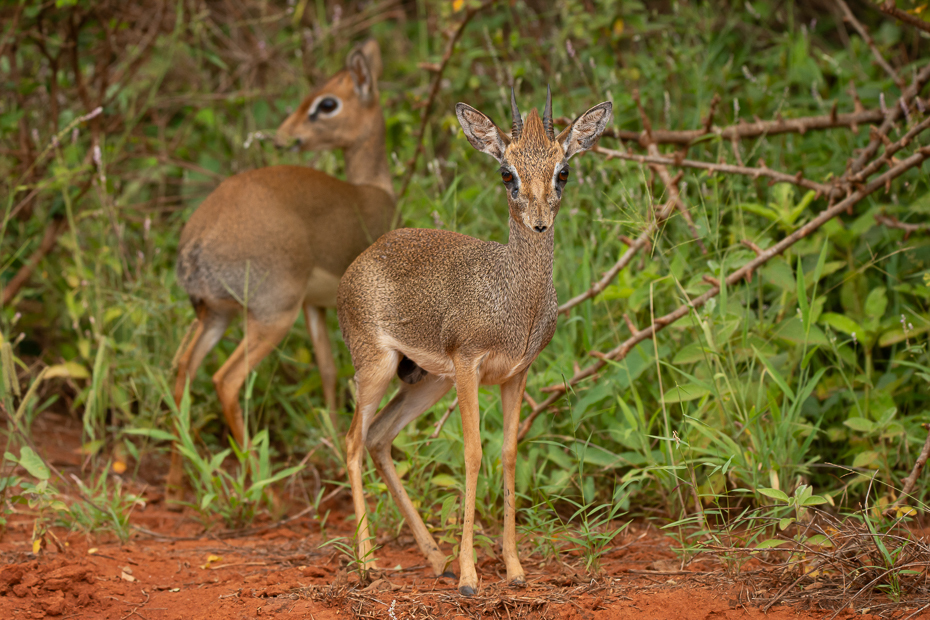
{"x": 327, "y": 105}
{"x": 563, "y": 175}
{"x": 507, "y": 176}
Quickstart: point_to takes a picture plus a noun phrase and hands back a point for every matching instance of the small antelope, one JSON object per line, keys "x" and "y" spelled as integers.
{"x": 440, "y": 309}
{"x": 278, "y": 239}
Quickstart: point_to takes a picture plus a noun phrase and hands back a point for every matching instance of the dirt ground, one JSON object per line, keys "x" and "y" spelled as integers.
{"x": 175, "y": 570}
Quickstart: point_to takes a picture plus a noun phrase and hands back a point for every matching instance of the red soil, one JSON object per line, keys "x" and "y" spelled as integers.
{"x": 284, "y": 573}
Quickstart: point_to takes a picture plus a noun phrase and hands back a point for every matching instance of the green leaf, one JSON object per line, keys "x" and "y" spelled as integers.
{"x": 897, "y": 334}
{"x": 841, "y": 323}
{"x": 776, "y": 376}
{"x": 691, "y": 353}
{"x": 154, "y": 433}
{"x": 682, "y": 393}
{"x": 860, "y": 424}
{"x": 779, "y": 273}
{"x": 802, "y": 298}
{"x": 775, "y": 494}
{"x": 814, "y": 500}
{"x": 868, "y": 459}
{"x": 876, "y": 303}
{"x": 33, "y": 463}
{"x": 444, "y": 480}
{"x": 793, "y": 330}
{"x": 770, "y": 543}
{"x": 819, "y": 540}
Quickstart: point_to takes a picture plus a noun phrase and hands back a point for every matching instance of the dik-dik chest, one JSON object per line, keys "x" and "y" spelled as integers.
{"x": 521, "y": 345}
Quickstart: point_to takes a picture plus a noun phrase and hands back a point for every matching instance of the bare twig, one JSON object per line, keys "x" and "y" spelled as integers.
{"x": 890, "y": 150}
{"x": 22, "y": 276}
{"x": 892, "y": 222}
{"x": 889, "y": 8}
{"x": 764, "y": 171}
{"x": 849, "y": 17}
{"x": 622, "y": 350}
{"x": 893, "y": 114}
{"x": 443, "y": 419}
{"x": 911, "y": 480}
{"x": 434, "y": 90}
{"x": 746, "y": 131}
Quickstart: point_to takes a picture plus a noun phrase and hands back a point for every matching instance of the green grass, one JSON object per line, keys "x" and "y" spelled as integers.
{"x": 760, "y": 389}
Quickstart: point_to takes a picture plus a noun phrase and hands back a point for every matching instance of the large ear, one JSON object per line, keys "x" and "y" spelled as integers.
{"x": 364, "y": 67}
{"x": 585, "y": 130}
{"x": 481, "y": 132}
{"x": 372, "y": 53}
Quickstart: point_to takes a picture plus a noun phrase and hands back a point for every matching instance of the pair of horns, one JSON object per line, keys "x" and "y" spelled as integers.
{"x": 517, "y": 127}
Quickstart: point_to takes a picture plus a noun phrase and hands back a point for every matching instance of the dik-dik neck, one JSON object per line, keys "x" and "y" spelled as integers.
{"x": 366, "y": 160}
{"x": 529, "y": 262}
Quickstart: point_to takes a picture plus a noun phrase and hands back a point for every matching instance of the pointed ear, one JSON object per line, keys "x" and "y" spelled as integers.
{"x": 481, "y": 132}
{"x": 585, "y": 130}
{"x": 362, "y": 71}
{"x": 372, "y": 53}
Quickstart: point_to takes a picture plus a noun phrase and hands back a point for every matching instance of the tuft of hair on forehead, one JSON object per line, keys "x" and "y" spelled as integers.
{"x": 534, "y": 142}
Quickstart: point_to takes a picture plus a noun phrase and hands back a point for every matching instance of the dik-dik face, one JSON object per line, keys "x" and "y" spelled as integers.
{"x": 534, "y": 162}
{"x": 343, "y": 111}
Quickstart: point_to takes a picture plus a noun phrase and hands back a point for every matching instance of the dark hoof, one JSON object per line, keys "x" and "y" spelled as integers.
{"x": 467, "y": 591}
{"x": 519, "y": 582}
{"x": 448, "y": 575}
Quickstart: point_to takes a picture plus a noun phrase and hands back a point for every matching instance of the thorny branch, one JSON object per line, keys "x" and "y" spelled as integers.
{"x": 762, "y": 171}
{"x": 624, "y": 348}
{"x": 849, "y": 17}
{"x": 892, "y": 222}
{"x": 671, "y": 185}
{"x": 747, "y": 131}
{"x": 889, "y": 8}
{"x": 434, "y": 90}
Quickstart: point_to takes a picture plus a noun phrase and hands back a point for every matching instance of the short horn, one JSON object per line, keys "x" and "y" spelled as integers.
{"x": 517, "y": 128}
{"x": 547, "y": 114}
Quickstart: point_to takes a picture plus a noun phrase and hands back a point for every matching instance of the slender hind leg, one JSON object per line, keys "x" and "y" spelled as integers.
{"x": 208, "y": 329}
{"x": 409, "y": 403}
{"x": 261, "y": 337}
{"x": 372, "y": 382}
{"x": 323, "y": 351}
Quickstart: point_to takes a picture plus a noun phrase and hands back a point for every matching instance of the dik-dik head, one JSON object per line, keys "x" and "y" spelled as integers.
{"x": 534, "y": 161}
{"x": 343, "y": 111}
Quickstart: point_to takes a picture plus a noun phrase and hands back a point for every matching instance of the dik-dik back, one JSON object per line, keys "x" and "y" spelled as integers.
{"x": 276, "y": 240}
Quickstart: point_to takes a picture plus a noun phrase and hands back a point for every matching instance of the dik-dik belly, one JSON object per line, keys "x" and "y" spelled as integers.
{"x": 321, "y": 288}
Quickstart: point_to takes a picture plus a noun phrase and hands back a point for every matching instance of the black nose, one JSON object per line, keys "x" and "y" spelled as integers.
{"x": 540, "y": 228}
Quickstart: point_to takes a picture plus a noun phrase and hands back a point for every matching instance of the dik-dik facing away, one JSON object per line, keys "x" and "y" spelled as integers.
{"x": 440, "y": 309}
{"x": 277, "y": 240}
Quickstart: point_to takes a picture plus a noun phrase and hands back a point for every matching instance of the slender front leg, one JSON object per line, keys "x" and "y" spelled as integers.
{"x": 511, "y": 400}
{"x": 466, "y": 384}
